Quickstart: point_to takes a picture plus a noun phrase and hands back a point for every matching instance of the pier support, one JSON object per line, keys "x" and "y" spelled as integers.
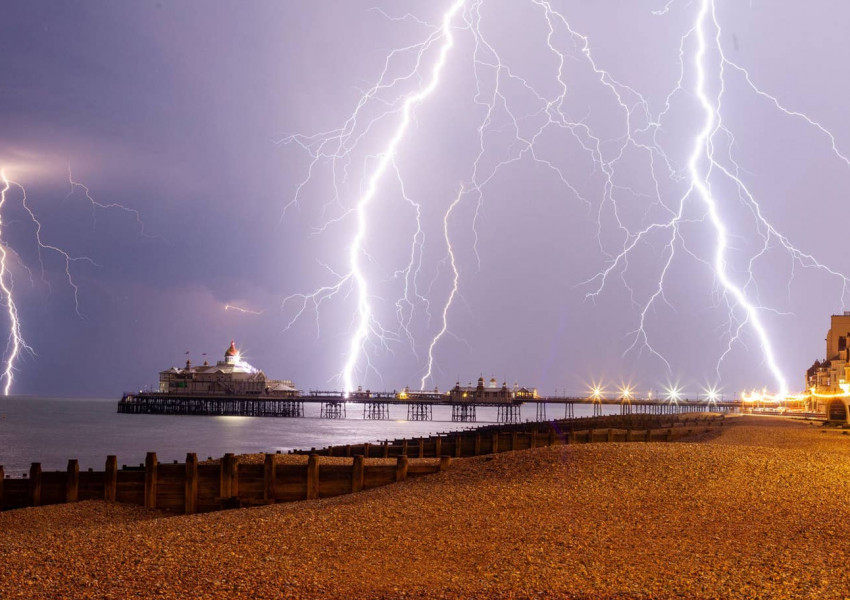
{"x": 597, "y": 409}
{"x": 290, "y": 408}
{"x": 332, "y": 410}
{"x": 419, "y": 411}
{"x": 509, "y": 413}
{"x": 376, "y": 410}
{"x": 463, "y": 413}
{"x": 541, "y": 411}
{"x": 569, "y": 410}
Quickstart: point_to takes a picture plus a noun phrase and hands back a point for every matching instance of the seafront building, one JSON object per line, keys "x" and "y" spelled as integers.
{"x": 828, "y": 381}
{"x": 231, "y": 376}
{"x": 491, "y": 394}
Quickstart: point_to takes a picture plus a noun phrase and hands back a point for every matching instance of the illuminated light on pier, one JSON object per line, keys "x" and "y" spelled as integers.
{"x": 673, "y": 394}
{"x": 626, "y": 393}
{"x": 713, "y": 394}
{"x": 597, "y": 392}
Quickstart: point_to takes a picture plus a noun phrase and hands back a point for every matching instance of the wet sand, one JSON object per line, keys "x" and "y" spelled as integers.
{"x": 760, "y": 510}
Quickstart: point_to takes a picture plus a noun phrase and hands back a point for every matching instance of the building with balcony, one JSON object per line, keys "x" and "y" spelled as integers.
{"x": 828, "y": 380}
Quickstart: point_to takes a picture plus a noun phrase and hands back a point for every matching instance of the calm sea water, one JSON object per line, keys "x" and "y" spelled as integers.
{"x": 52, "y": 430}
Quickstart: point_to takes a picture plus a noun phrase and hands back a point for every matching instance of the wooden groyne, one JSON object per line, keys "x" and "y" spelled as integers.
{"x": 491, "y": 439}
{"x": 192, "y": 487}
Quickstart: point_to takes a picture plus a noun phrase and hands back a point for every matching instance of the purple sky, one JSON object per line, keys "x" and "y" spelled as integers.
{"x": 181, "y": 111}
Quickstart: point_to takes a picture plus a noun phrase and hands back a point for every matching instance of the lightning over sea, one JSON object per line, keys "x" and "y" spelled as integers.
{"x": 654, "y": 202}
{"x": 424, "y": 298}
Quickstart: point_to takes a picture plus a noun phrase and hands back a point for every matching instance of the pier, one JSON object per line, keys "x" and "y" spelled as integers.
{"x": 413, "y": 407}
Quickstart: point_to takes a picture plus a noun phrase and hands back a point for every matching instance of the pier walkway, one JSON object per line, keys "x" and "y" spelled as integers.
{"x": 418, "y": 407}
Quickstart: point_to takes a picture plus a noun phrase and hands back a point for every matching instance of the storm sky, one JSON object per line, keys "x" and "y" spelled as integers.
{"x": 183, "y": 111}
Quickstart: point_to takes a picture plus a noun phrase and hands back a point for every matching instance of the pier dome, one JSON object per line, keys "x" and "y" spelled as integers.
{"x": 231, "y": 353}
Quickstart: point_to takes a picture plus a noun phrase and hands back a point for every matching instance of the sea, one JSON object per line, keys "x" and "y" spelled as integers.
{"x": 52, "y": 430}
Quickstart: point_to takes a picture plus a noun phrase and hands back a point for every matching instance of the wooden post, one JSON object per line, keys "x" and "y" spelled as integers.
{"x": 269, "y": 479}
{"x": 458, "y": 445}
{"x": 229, "y": 484}
{"x": 72, "y": 481}
{"x": 445, "y": 461}
{"x": 190, "y": 489}
{"x": 357, "y": 474}
{"x": 610, "y": 435}
{"x": 35, "y": 484}
{"x": 312, "y": 477}
{"x": 150, "y": 480}
{"x": 348, "y": 450}
{"x": 477, "y": 444}
{"x": 421, "y": 447}
{"x": 366, "y": 450}
{"x": 386, "y": 449}
{"x": 670, "y": 435}
{"x": 438, "y": 446}
{"x": 401, "y": 469}
{"x": 495, "y": 442}
{"x": 534, "y": 438}
{"x": 110, "y": 479}
{"x": 628, "y": 435}
{"x": 404, "y": 447}
{"x": 513, "y": 440}
{"x": 2, "y": 477}
{"x": 648, "y": 435}
{"x": 551, "y": 440}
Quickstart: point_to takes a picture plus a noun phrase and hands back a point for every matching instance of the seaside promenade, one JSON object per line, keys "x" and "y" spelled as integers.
{"x": 755, "y": 509}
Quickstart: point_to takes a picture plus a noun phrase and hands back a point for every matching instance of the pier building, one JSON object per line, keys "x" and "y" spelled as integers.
{"x": 230, "y": 376}
{"x": 490, "y": 394}
{"x": 828, "y": 380}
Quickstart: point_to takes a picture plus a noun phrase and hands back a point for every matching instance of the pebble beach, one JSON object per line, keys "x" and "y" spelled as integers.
{"x": 760, "y": 508}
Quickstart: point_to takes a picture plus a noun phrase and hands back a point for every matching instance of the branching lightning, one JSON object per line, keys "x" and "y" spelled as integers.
{"x": 95, "y": 204}
{"x": 16, "y": 341}
{"x": 510, "y": 102}
{"x": 66, "y": 258}
{"x": 452, "y": 294}
{"x": 366, "y": 324}
{"x": 16, "y": 344}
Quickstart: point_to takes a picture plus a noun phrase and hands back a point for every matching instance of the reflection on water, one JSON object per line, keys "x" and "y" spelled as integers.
{"x": 52, "y": 430}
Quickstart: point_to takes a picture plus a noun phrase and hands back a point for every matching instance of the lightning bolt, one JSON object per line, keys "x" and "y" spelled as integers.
{"x": 515, "y": 117}
{"x": 704, "y": 149}
{"x": 702, "y": 165}
{"x": 245, "y": 311}
{"x": 112, "y": 205}
{"x": 366, "y": 324}
{"x": 16, "y": 344}
{"x": 66, "y": 258}
{"x": 16, "y": 341}
{"x": 364, "y": 309}
{"x": 452, "y": 294}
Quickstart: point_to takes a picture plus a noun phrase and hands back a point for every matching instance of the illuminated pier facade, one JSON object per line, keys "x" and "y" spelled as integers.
{"x": 228, "y": 377}
{"x": 828, "y": 381}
